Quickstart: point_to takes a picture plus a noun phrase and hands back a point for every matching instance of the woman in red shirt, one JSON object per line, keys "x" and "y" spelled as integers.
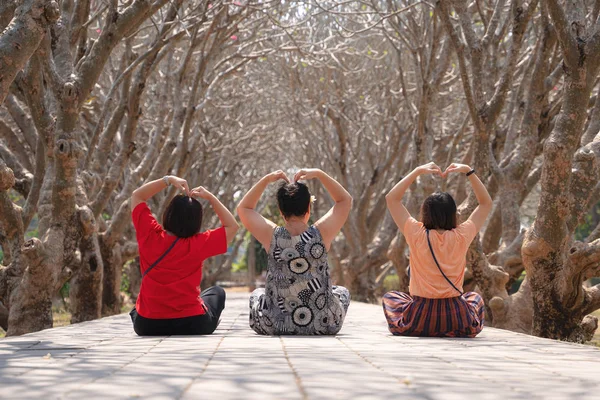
{"x": 171, "y": 257}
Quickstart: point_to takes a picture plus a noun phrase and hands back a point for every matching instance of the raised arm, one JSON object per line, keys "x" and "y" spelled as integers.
{"x": 225, "y": 216}
{"x": 147, "y": 190}
{"x": 484, "y": 208}
{"x": 260, "y": 227}
{"x": 394, "y": 198}
{"x": 331, "y": 223}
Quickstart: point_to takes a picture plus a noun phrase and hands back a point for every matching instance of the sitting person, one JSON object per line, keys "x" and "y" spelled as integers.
{"x": 171, "y": 256}
{"x": 436, "y": 305}
{"x": 298, "y": 298}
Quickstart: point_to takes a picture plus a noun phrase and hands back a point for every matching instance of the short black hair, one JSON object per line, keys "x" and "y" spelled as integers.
{"x": 183, "y": 216}
{"x": 439, "y": 211}
{"x": 293, "y": 199}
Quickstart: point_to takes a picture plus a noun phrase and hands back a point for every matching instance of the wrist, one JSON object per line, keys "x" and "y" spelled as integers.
{"x": 210, "y": 197}
{"x": 166, "y": 180}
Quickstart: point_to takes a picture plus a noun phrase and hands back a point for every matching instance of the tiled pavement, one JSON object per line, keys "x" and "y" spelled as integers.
{"x": 104, "y": 359}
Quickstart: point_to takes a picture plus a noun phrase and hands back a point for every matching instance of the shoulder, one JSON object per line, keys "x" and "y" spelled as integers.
{"x": 209, "y": 243}
{"x": 466, "y": 232}
{"x": 281, "y": 232}
{"x": 413, "y": 227}
{"x": 209, "y": 233}
{"x": 143, "y": 220}
{"x": 140, "y": 209}
{"x": 312, "y": 232}
{"x": 467, "y": 228}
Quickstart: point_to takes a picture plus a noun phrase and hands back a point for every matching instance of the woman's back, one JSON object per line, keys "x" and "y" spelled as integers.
{"x": 171, "y": 289}
{"x": 436, "y": 305}
{"x": 450, "y": 248}
{"x": 171, "y": 256}
{"x": 299, "y": 298}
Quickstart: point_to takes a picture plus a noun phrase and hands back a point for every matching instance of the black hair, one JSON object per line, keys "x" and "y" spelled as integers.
{"x": 293, "y": 199}
{"x": 183, "y": 216}
{"x": 439, "y": 211}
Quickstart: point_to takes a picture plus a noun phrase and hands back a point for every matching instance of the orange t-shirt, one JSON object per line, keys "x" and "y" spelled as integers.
{"x": 450, "y": 250}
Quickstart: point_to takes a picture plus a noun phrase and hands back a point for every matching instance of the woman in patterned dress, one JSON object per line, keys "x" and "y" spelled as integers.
{"x": 436, "y": 304}
{"x": 298, "y": 298}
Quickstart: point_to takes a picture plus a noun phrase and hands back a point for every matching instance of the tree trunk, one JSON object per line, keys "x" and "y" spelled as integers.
{"x": 399, "y": 261}
{"x": 113, "y": 272}
{"x": 30, "y": 302}
{"x": 26, "y": 285}
{"x": 86, "y": 285}
{"x": 135, "y": 278}
{"x": 360, "y": 284}
{"x": 7, "y": 10}
{"x": 3, "y": 317}
{"x": 559, "y": 299}
{"x": 22, "y": 37}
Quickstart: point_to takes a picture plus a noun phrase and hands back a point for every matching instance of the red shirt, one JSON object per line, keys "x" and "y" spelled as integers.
{"x": 172, "y": 288}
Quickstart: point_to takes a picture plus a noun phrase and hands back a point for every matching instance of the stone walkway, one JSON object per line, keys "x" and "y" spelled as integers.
{"x": 104, "y": 359}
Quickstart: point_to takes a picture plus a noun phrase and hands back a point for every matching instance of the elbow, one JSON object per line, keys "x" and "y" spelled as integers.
{"x": 136, "y": 198}
{"x": 231, "y": 232}
{"x": 240, "y": 212}
{"x": 488, "y": 202}
{"x": 346, "y": 203}
{"x": 239, "y": 209}
{"x": 487, "y": 206}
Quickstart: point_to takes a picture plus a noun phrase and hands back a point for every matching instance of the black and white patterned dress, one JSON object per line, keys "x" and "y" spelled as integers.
{"x": 298, "y": 298}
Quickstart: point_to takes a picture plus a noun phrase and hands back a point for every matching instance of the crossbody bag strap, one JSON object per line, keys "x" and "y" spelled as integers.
{"x": 160, "y": 258}
{"x": 438, "y": 264}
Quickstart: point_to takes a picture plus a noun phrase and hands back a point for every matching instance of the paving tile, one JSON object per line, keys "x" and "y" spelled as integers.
{"x": 105, "y": 359}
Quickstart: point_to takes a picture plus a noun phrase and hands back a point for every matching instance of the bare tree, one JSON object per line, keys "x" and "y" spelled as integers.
{"x": 105, "y": 96}
{"x": 556, "y": 266}
{"x": 111, "y": 121}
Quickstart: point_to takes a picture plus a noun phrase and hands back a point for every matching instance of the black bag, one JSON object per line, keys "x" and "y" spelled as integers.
{"x": 133, "y": 313}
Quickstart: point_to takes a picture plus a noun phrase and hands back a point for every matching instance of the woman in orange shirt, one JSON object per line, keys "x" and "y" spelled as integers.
{"x": 436, "y": 305}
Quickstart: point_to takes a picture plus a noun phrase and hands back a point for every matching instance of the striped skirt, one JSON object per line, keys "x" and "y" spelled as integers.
{"x": 417, "y": 316}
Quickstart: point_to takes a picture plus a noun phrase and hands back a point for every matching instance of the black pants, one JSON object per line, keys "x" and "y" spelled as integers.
{"x": 214, "y": 299}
